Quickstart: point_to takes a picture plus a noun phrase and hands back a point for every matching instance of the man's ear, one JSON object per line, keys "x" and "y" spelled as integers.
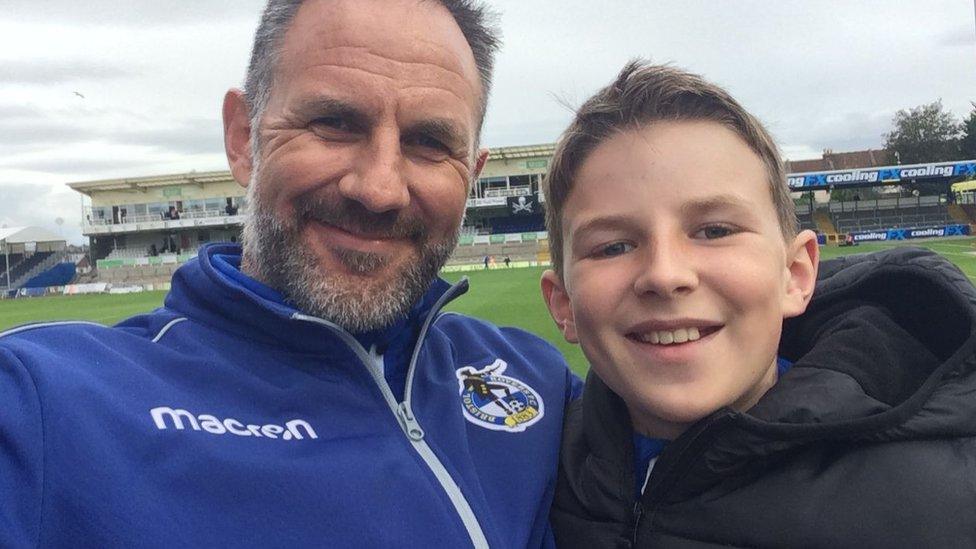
{"x": 237, "y": 136}
{"x": 481, "y": 158}
{"x": 560, "y": 307}
{"x": 802, "y": 262}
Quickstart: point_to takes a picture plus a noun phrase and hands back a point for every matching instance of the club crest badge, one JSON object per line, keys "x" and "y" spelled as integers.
{"x": 498, "y": 402}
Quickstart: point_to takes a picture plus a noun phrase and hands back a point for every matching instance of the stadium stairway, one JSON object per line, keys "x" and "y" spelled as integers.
{"x": 824, "y": 223}
{"x": 34, "y": 265}
{"x": 963, "y": 213}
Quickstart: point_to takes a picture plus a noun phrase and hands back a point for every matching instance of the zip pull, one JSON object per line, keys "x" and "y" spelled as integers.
{"x": 409, "y": 423}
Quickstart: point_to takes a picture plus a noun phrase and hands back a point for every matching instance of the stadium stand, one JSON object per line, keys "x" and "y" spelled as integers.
{"x": 804, "y": 213}
{"x": 141, "y": 228}
{"x": 512, "y": 225}
{"x": 28, "y": 265}
{"x": 889, "y": 213}
{"x": 15, "y": 260}
{"x": 474, "y": 254}
{"x": 61, "y": 274}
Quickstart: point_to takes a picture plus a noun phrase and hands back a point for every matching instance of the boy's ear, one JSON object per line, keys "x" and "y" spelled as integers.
{"x": 237, "y": 136}
{"x": 560, "y": 307}
{"x": 802, "y": 262}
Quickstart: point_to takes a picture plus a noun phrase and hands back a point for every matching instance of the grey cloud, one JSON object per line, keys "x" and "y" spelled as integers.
{"x": 46, "y": 71}
{"x": 188, "y": 136}
{"x": 841, "y": 131}
{"x": 26, "y": 128}
{"x": 28, "y": 134}
{"x": 65, "y": 165}
{"x": 26, "y": 204}
{"x": 136, "y": 13}
{"x": 14, "y": 111}
{"x": 961, "y": 36}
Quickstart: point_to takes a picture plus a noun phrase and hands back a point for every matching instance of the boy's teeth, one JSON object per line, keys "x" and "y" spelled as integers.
{"x": 667, "y": 337}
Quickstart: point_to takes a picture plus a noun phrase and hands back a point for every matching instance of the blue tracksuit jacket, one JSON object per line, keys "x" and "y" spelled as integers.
{"x": 227, "y": 419}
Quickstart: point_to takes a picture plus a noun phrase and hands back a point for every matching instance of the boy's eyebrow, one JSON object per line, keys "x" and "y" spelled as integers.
{"x": 718, "y": 202}
{"x": 603, "y": 222}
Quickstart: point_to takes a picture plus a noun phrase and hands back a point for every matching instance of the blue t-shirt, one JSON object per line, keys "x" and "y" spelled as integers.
{"x": 647, "y": 449}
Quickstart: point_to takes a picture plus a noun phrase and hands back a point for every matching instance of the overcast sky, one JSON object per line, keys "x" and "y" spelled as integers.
{"x": 150, "y": 76}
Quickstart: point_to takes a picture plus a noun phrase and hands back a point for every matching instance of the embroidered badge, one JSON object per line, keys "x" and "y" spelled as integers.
{"x": 497, "y": 401}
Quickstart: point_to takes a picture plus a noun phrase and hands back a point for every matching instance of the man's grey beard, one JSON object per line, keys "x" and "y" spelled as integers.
{"x": 275, "y": 254}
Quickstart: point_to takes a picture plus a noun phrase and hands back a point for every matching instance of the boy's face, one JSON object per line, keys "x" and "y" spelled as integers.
{"x": 676, "y": 276}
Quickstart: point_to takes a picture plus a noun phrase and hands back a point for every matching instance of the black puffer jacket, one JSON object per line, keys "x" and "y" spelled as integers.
{"x": 868, "y": 441}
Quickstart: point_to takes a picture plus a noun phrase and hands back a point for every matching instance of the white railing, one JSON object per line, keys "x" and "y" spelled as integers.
{"x": 135, "y": 223}
{"x": 512, "y": 191}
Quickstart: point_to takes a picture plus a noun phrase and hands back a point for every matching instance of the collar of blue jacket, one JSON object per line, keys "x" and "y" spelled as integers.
{"x": 264, "y": 313}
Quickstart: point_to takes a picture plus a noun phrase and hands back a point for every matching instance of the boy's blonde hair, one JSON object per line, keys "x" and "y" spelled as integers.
{"x": 643, "y": 94}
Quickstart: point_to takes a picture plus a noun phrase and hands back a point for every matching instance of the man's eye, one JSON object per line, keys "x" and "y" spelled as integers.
{"x": 712, "y": 232}
{"x": 428, "y": 147}
{"x": 427, "y": 141}
{"x": 336, "y": 123}
{"x": 614, "y": 249}
{"x": 430, "y": 143}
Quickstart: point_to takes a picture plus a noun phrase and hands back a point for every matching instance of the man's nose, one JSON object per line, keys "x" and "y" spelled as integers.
{"x": 668, "y": 271}
{"x": 376, "y": 179}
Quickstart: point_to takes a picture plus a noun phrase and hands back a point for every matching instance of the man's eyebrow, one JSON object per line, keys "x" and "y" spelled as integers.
{"x": 442, "y": 129}
{"x": 330, "y": 106}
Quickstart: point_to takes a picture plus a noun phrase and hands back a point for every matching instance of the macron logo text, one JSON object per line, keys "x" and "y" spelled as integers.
{"x": 165, "y": 417}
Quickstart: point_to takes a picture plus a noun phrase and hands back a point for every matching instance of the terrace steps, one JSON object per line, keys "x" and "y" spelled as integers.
{"x": 824, "y": 223}
{"x": 963, "y": 213}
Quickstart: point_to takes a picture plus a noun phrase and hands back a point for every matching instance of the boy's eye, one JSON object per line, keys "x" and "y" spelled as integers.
{"x": 614, "y": 249}
{"x": 712, "y": 232}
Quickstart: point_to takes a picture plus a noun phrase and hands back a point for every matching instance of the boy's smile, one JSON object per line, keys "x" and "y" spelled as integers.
{"x": 676, "y": 276}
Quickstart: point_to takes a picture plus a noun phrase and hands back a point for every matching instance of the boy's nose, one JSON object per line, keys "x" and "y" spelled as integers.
{"x": 376, "y": 180}
{"x": 668, "y": 271}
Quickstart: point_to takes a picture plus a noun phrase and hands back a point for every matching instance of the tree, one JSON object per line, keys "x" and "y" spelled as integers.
{"x": 926, "y": 133}
{"x": 967, "y": 145}
{"x": 847, "y": 194}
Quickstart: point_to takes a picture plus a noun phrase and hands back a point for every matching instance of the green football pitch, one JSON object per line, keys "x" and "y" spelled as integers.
{"x": 508, "y": 297}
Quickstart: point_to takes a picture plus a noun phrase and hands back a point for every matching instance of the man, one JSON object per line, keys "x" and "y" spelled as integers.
{"x": 305, "y": 392}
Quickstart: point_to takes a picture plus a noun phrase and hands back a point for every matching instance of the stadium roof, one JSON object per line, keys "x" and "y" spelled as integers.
{"x": 141, "y": 183}
{"x": 20, "y": 235}
{"x": 840, "y": 161}
{"x": 525, "y": 151}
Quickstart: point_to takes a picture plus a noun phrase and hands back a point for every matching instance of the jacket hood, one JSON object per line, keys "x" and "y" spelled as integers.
{"x": 894, "y": 334}
{"x": 885, "y": 352}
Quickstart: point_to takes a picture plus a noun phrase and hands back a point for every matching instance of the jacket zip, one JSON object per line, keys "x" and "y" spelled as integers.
{"x": 403, "y": 412}
{"x": 687, "y": 448}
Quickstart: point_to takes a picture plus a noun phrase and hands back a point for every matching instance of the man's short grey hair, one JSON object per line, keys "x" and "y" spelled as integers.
{"x": 475, "y": 20}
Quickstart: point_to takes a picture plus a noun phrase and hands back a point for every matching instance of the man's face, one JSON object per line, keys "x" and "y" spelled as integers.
{"x": 676, "y": 275}
{"x": 366, "y": 152}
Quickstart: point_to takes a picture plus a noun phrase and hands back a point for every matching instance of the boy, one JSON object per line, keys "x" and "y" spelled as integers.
{"x": 706, "y": 420}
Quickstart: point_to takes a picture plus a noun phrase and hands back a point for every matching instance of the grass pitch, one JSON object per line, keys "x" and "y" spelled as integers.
{"x": 509, "y": 297}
